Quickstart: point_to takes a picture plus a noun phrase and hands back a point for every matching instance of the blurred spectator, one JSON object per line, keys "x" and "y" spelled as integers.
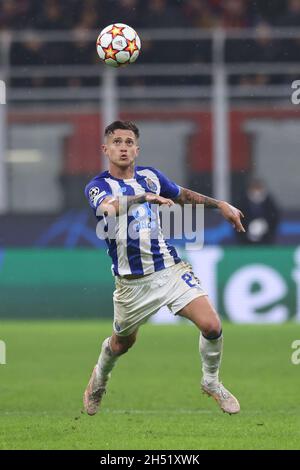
{"x": 292, "y": 16}
{"x": 28, "y": 52}
{"x": 81, "y": 53}
{"x": 291, "y": 46}
{"x": 16, "y": 14}
{"x": 129, "y": 13}
{"x": 158, "y": 14}
{"x": 52, "y": 16}
{"x": 265, "y": 49}
{"x": 293, "y": 52}
{"x": 199, "y": 14}
{"x": 261, "y": 215}
{"x": 91, "y": 17}
{"x": 234, "y": 14}
{"x": 8, "y": 14}
{"x": 267, "y": 10}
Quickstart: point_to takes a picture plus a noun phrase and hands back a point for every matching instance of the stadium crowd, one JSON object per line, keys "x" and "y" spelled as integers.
{"x": 56, "y": 15}
{"x": 79, "y": 16}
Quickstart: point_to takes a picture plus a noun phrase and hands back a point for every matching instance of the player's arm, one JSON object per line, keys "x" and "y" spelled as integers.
{"x": 112, "y": 206}
{"x": 229, "y": 212}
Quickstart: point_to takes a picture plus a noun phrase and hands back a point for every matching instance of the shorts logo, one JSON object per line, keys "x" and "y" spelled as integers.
{"x": 151, "y": 185}
{"x": 93, "y": 192}
{"x": 117, "y": 326}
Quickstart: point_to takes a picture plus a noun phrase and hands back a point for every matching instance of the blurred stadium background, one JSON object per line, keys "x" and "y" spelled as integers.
{"x": 212, "y": 95}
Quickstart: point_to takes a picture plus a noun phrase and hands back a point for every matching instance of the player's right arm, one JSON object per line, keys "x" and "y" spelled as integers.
{"x": 104, "y": 203}
{"x": 111, "y": 206}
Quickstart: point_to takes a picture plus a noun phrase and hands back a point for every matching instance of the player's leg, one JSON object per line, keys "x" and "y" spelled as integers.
{"x": 112, "y": 348}
{"x": 201, "y": 312}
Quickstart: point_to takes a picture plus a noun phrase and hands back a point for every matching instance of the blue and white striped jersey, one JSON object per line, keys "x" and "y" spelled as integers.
{"x": 143, "y": 253}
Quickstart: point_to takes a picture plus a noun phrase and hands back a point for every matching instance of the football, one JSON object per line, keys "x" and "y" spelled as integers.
{"x": 118, "y": 45}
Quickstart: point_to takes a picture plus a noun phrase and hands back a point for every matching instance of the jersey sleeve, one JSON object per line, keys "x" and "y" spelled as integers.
{"x": 168, "y": 188}
{"x": 96, "y": 192}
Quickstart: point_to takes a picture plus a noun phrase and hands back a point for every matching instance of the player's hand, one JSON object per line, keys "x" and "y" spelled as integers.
{"x": 155, "y": 199}
{"x": 233, "y": 215}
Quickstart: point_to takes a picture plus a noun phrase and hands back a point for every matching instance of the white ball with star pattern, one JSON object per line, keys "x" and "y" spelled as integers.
{"x": 118, "y": 45}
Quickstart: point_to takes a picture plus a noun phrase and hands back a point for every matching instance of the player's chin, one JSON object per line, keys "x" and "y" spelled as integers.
{"x": 124, "y": 161}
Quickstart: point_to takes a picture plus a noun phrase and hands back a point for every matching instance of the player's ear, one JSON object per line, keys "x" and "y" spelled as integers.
{"x": 104, "y": 148}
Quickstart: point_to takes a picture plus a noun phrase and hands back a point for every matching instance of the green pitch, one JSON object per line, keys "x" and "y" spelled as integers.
{"x": 153, "y": 400}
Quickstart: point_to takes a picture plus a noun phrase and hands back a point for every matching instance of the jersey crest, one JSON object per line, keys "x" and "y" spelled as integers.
{"x": 151, "y": 185}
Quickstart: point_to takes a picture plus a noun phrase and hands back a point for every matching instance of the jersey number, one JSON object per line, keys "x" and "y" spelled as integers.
{"x": 188, "y": 278}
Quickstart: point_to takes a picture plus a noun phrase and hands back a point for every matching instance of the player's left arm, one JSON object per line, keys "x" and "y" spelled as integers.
{"x": 229, "y": 212}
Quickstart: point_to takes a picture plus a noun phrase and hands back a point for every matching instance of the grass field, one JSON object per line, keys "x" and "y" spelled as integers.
{"x": 154, "y": 399}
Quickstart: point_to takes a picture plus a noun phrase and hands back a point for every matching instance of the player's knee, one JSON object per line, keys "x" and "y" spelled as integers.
{"x": 121, "y": 347}
{"x": 212, "y": 329}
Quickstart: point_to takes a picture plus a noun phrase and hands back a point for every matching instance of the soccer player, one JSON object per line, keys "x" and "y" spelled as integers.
{"x": 148, "y": 272}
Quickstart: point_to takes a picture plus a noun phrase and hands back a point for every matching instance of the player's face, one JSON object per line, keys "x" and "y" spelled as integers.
{"x": 121, "y": 148}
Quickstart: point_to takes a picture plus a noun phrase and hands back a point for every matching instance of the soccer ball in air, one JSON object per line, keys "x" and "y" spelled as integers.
{"x": 118, "y": 44}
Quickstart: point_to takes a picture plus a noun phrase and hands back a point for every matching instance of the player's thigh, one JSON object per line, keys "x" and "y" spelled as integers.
{"x": 201, "y": 312}
{"x": 120, "y": 344}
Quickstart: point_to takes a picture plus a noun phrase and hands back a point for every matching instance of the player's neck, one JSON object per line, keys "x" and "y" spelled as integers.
{"x": 122, "y": 173}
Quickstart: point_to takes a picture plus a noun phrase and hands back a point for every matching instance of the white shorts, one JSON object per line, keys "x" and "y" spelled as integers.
{"x": 135, "y": 300}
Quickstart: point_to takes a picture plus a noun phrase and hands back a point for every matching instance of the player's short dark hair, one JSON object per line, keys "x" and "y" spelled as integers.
{"x": 125, "y": 125}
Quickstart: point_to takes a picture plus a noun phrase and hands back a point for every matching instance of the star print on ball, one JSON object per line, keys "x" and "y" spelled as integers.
{"x": 118, "y": 45}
